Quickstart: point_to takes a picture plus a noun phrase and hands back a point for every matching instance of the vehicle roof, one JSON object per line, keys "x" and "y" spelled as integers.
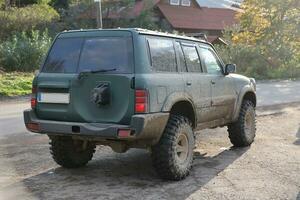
{"x": 143, "y": 32}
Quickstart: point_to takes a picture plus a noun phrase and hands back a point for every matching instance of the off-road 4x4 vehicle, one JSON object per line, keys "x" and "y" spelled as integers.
{"x": 133, "y": 88}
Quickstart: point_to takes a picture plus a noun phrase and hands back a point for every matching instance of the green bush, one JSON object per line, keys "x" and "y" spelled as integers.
{"x": 15, "y": 20}
{"x": 251, "y": 62}
{"x": 24, "y": 52}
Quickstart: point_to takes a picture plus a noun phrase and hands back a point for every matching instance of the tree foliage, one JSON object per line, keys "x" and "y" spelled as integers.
{"x": 15, "y": 20}
{"x": 274, "y": 25}
{"x": 266, "y": 43}
{"x": 58, "y": 4}
{"x": 24, "y": 51}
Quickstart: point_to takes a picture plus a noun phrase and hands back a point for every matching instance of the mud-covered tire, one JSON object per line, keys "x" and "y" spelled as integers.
{"x": 172, "y": 157}
{"x": 71, "y": 153}
{"x": 242, "y": 132}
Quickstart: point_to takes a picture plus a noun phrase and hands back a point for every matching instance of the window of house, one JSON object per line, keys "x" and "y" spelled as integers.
{"x": 162, "y": 54}
{"x": 175, "y": 2}
{"x": 186, "y": 2}
{"x": 192, "y": 58}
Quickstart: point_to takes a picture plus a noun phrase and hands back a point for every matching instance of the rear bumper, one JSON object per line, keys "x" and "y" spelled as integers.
{"x": 147, "y": 126}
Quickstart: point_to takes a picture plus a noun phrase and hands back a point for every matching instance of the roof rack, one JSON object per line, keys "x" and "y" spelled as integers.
{"x": 201, "y": 35}
{"x": 159, "y": 33}
{"x": 150, "y": 32}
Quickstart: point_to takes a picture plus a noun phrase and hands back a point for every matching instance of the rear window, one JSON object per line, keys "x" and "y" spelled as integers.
{"x": 73, "y": 55}
{"x": 162, "y": 55}
{"x": 63, "y": 57}
{"x": 192, "y": 58}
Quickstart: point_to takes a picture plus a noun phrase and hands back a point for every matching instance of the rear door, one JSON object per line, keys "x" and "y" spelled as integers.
{"x": 88, "y": 78}
{"x": 196, "y": 82}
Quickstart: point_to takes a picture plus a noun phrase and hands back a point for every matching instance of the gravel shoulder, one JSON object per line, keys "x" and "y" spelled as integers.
{"x": 269, "y": 169}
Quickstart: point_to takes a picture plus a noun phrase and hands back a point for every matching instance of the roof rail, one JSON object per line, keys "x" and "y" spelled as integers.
{"x": 201, "y": 35}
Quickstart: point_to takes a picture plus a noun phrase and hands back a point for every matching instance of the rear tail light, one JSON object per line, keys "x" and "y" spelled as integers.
{"x": 141, "y": 101}
{"x": 33, "y": 127}
{"x": 33, "y": 100}
{"x": 124, "y": 133}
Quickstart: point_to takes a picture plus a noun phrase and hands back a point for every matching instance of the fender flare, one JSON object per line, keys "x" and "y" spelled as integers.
{"x": 175, "y": 97}
{"x": 238, "y": 104}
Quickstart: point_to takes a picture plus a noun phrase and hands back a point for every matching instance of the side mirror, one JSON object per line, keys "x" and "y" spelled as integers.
{"x": 230, "y": 68}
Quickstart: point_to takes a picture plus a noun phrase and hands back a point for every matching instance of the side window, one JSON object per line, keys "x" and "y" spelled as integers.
{"x": 162, "y": 55}
{"x": 181, "y": 61}
{"x": 211, "y": 62}
{"x": 191, "y": 58}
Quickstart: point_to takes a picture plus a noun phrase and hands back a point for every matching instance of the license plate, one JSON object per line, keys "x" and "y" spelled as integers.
{"x": 57, "y": 98}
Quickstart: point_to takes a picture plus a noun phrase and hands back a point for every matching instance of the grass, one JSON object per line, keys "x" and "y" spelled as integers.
{"x": 15, "y": 83}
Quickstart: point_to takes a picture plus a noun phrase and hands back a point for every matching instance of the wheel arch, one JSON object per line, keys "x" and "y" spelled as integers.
{"x": 246, "y": 93}
{"x": 181, "y": 104}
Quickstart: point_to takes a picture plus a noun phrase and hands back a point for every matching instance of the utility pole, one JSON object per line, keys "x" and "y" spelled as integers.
{"x": 99, "y": 13}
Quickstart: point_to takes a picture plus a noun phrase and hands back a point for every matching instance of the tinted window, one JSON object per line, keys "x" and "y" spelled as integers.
{"x": 210, "y": 61}
{"x": 107, "y": 54}
{"x": 181, "y": 61}
{"x": 191, "y": 58}
{"x": 63, "y": 57}
{"x": 162, "y": 54}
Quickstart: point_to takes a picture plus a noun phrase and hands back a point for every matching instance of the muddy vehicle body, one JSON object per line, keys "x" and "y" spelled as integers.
{"x": 134, "y": 88}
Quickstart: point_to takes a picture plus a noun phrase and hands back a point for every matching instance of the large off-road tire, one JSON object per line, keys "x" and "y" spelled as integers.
{"x": 71, "y": 153}
{"x": 172, "y": 157}
{"x": 242, "y": 132}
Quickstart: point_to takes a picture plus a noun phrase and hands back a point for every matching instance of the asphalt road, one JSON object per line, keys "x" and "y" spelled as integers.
{"x": 272, "y": 93}
{"x": 269, "y": 169}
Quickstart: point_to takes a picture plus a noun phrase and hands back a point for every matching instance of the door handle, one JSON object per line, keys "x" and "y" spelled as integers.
{"x": 213, "y": 82}
{"x": 188, "y": 83}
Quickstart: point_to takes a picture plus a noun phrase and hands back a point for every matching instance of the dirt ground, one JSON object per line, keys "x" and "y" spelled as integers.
{"x": 269, "y": 169}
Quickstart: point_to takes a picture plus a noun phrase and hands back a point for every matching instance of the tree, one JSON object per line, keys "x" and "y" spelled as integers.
{"x": 272, "y": 25}
{"x": 58, "y": 4}
{"x": 115, "y": 5}
{"x": 15, "y": 20}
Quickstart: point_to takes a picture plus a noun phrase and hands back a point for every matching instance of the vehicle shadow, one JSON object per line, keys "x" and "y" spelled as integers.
{"x": 120, "y": 176}
{"x": 297, "y": 142}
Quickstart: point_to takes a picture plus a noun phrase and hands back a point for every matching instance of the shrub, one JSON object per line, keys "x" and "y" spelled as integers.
{"x": 24, "y": 52}
{"x": 15, "y": 20}
{"x": 251, "y": 62}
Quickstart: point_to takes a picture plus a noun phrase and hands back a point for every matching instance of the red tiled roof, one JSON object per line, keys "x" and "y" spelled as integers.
{"x": 198, "y": 18}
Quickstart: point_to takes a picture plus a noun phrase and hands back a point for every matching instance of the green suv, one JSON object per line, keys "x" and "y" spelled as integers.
{"x": 135, "y": 88}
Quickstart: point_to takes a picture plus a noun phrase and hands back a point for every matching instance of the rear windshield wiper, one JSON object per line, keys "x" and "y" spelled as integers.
{"x": 81, "y": 74}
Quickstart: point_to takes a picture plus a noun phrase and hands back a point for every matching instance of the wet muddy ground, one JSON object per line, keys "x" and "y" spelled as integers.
{"x": 269, "y": 169}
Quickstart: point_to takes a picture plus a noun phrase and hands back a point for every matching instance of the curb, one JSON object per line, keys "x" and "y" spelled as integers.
{"x": 22, "y": 98}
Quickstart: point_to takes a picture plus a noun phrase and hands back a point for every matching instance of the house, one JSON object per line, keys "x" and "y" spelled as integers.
{"x": 188, "y": 16}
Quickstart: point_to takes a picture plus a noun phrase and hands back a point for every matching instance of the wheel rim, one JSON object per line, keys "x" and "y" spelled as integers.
{"x": 249, "y": 125}
{"x": 182, "y": 148}
{"x": 79, "y": 146}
